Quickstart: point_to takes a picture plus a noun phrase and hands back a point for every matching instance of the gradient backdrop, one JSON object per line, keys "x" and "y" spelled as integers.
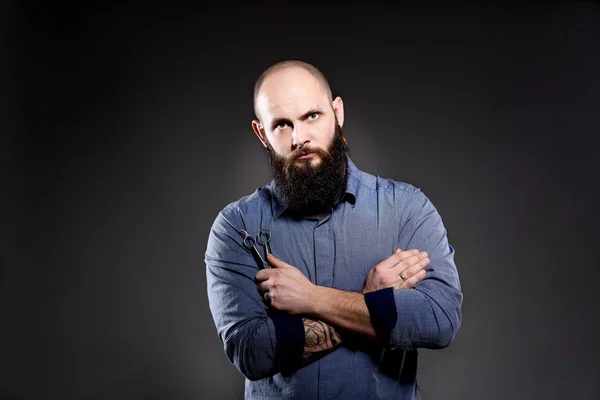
{"x": 129, "y": 129}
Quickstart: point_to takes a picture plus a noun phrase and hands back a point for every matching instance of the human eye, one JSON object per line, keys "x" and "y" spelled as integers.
{"x": 313, "y": 116}
{"x": 280, "y": 125}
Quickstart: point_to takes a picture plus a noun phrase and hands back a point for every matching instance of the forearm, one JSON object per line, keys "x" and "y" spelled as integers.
{"x": 251, "y": 348}
{"x": 428, "y": 317}
{"x": 344, "y": 310}
{"x": 319, "y": 339}
{"x": 289, "y": 291}
{"x": 419, "y": 322}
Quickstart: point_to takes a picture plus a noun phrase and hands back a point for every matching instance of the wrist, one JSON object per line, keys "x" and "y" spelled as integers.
{"x": 316, "y": 300}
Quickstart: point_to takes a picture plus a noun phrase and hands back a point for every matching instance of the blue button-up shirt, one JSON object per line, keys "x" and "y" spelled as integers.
{"x": 375, "y": 217}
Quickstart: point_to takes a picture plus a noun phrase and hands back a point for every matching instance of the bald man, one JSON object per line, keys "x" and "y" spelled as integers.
{"x": 358, "y": 272}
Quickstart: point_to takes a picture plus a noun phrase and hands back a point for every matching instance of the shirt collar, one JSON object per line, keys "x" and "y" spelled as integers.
{"x": 355, "y": 179}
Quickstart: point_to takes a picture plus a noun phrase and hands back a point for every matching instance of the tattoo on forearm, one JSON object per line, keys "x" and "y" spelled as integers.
{"x": 319, "y": 339}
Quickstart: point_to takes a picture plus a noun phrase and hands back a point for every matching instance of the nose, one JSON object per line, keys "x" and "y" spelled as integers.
{"x": 300, "y": 135}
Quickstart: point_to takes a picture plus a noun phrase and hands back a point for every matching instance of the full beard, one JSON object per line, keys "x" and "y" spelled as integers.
{"x": 308, "y": 190}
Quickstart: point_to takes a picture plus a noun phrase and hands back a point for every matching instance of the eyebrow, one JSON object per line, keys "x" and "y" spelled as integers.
{"x": 316, "y": 110}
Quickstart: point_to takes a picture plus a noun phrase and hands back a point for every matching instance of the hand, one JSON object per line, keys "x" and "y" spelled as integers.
{"x": 401, "y": 270}
{"x": 285, "y": 287}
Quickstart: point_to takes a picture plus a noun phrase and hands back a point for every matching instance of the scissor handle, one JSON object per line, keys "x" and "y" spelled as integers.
{"x": 249, "y": 240}
{"x": 264, "y": 236}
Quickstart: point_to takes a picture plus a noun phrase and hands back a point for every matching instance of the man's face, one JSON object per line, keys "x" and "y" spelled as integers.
{"x": 306, "y": 161}
{"x": 297, "y": 120}
{"x": 307, "y": 189}
{"x": 304, "y": 138}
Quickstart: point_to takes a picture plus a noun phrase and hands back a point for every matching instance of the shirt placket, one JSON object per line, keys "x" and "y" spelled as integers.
{"x": 324, "y": 263}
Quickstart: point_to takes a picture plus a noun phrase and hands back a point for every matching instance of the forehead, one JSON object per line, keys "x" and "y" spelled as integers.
{"x": 290, "y": 93}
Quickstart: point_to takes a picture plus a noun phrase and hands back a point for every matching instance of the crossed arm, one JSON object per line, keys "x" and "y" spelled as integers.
{"x": 327, "y": 312}
{"x": 247, "y": 332}
{"x": 262, "y": 339}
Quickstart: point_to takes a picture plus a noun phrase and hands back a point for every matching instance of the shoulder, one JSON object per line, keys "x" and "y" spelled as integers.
{"x": 248, "y": 201}
{"x": 361, "y": 179}
{"x": 399, "y": 190}
{"x": 402, "y": 196}
{"x": 392, "y": 185}
{"x": 246, "y": 206}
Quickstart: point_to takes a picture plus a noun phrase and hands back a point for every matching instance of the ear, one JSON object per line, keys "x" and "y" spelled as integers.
{"x": 260, "y": 132}
{"x": 338, "y": 108}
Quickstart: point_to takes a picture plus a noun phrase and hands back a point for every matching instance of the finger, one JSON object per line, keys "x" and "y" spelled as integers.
{"x": 415, "y": 268}
{"x": 413, "y": 280}
{"x": 412, "y": 260}
{"x": 420, "y": 262}
{"x": 263, "y": 287}
{"x": 276, "y": 262}
{"x": 397, "y": 257}
{"x": 408, "y": 258}
{"x": 263, "y": 275}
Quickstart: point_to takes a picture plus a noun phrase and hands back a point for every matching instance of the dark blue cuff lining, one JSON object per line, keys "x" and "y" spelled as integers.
{"x": 289, "y": 333}
{"x": 382, "y": 308}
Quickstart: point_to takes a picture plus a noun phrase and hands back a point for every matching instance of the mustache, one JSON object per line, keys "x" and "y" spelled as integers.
{"x": 304, "y": 150}
{"x": 299, "y": 152}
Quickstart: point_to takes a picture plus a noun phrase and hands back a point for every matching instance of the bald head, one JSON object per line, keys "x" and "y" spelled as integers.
{"x": 290, "y": 65}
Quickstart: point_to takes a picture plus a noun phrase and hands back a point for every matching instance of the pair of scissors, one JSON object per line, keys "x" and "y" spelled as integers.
{"x": 263, "y": 238}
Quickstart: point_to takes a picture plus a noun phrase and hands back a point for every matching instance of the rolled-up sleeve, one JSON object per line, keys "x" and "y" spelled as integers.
{"x": 429, "y": 315}
{"x": 257, "y": 341}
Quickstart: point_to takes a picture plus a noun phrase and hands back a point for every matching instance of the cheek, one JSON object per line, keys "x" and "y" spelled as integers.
{"x": 280, "y": 143}
{"x": 326, "y": 134}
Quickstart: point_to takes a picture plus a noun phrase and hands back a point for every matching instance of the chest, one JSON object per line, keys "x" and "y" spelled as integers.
{"x": 339, "y": 249}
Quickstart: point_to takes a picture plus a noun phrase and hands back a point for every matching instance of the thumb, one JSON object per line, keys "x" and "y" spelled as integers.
{"x": 276, "y": 262}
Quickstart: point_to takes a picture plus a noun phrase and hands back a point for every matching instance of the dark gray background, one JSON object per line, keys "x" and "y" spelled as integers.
{"x": 129, "y": 129}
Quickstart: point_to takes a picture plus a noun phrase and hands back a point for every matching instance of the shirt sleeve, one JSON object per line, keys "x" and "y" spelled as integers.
{"x": 429, "y": 315}
{"x": 258, "y": 341}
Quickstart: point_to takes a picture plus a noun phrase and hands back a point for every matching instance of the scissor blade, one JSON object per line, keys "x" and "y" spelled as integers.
{"x": 259, "y": 258}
